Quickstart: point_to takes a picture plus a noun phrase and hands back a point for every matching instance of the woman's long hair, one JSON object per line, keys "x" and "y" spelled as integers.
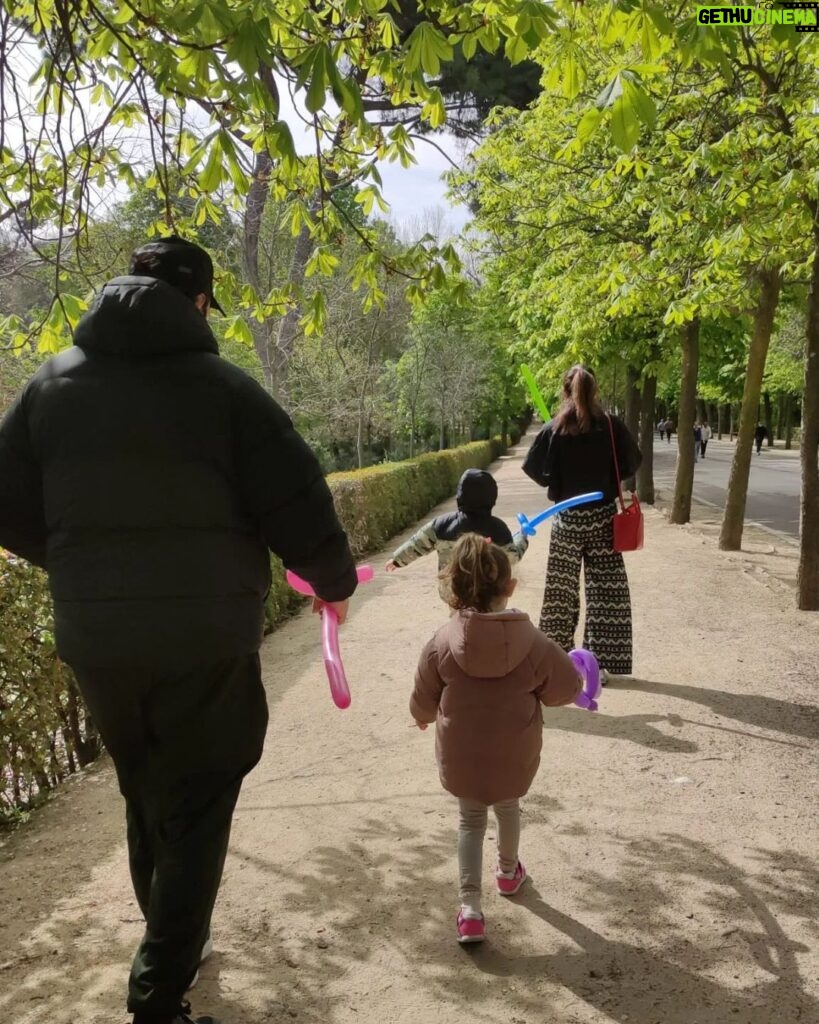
{"x": 581, "y": 402}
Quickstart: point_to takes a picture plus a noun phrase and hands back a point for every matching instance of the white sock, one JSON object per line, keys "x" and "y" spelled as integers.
{"x": 472, "y": 908}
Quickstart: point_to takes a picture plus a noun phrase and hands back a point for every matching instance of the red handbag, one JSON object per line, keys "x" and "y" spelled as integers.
{"x": 628, "y": 522}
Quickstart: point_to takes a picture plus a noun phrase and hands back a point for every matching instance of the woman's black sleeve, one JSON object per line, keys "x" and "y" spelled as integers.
{"x": 537, "y": 463}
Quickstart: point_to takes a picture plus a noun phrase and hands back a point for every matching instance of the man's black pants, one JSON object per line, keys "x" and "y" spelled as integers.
{"x": 181, "y": 743}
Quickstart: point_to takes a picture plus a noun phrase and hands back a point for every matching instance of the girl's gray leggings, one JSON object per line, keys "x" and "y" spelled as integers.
{"x": 471, "y": 832}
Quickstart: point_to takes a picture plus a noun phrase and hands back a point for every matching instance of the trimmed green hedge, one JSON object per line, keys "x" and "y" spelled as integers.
{"x": 45, "y": 733}
{"x": 376, "y": 503}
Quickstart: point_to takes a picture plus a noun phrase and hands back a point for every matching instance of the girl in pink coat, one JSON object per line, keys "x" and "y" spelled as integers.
{"x": 483, "y": 679}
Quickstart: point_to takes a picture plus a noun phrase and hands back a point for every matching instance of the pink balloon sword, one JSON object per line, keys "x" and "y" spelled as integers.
{"x": 339, "y": 687}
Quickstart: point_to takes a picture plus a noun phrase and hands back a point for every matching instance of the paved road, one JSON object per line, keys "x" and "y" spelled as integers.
{"x": 773, "y": 488}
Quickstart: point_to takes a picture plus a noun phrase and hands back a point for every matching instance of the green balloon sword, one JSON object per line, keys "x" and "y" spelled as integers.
{"x": 534, "y": 391}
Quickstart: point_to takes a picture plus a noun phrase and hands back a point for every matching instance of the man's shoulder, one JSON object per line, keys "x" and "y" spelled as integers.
{"x": 58, "y": 367}
{"x": 229, "y": 372}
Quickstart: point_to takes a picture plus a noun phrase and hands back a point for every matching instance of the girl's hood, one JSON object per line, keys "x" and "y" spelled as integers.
{"x": 489, "y": 645}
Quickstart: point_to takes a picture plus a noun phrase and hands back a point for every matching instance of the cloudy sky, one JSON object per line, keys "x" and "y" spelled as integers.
{"x": 410, "y": 191}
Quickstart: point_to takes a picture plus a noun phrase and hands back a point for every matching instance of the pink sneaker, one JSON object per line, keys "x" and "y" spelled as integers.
{"x": 509, "y": 883}
{"x": 470, "y": 929}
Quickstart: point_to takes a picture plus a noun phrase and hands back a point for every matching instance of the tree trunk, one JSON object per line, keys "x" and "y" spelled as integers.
{"x": 632, "y": 417}
{"x": 362, "y": 398}
{"x": 645, "y": 474}
{"x": 807, "y": 577}
{"x": 613, "y": 402}
{"x": 684, "y": 483}
{"x": 780, "y": 416}
{"x": 254, "y": 211}
{"x": 788, "y": 422}
{"x": 359, "y": 437}
{"x": 720, "y": 421}
{"x": 766, "y": 398}
{"x": 733, "y": 520}
{"x": 702, "y": 412}
{"x": 289, "y": 323}
{"x": 633, "y": 406}
{"x": 87, "y": 746}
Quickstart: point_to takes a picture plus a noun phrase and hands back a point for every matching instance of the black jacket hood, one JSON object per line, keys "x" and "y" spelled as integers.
{"x": 140, "y": 316}
{"x": 477, "y": 491}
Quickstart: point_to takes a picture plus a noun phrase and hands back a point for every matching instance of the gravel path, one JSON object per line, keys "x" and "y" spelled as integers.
{"x": 671, "y": 838}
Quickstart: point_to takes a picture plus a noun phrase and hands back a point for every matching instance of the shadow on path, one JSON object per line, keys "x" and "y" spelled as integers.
{"x": 750, "y": 708}
{"x": 666, "y": 980}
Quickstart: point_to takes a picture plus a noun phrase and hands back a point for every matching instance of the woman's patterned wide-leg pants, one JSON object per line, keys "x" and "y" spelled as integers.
{"x": 583, "y": 536}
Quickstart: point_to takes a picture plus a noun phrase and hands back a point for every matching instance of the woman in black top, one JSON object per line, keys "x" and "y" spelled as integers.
{"x": 572, "y": 455}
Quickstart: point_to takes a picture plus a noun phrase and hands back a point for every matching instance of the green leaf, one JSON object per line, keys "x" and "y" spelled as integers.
{"x": 211, "y": 177}
{"x": 314, "y": 321}
{"x": 280, "y": 141}
{"x": 469, "y": 46}
{"x": 516, "y": 49}
{"x": 661, "y": 20}
{"x": 245, "y": 47}
{"x": 351, "y": 102}
{"x": 121, "y": 16}
{"x": 209, "y": 25}
{"x": 426, "y": 48}
{"x": 625, "y": 128}
{"x": 610, "y": 93}
{"x": 365, "y": 197}
{"x": 321, "y": 262}
{"x": 390, "y": 36}
{"x": 74, "y": 307}
{"x": 319, "y": 81}
{"x": 489, "y": 37}
{"x": 649, "y": 40}
{"x": 572, "y": 77}
{"x": 589, "y": 123}
{"x": 434, "y": 110}
{"x": 239, "y": 330}
{"x": 640, "y": 101}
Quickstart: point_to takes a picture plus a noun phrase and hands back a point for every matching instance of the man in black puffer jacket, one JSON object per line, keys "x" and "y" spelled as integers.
{"x": 150, "y": 478}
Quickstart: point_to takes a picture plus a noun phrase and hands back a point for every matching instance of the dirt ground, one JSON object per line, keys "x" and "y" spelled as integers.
{"x": 671, "y": 838}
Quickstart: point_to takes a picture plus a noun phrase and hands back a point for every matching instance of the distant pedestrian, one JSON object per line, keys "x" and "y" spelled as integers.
{"x": 669, "y": 430}
{"x": 661, "y": 428}
{"x": 697, "y": 440}
{"x": 705, "y": 438}
{"x": 760, "y": 434}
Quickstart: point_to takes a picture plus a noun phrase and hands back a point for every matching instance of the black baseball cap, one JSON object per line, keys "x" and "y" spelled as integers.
{"x": 180, "y": 263}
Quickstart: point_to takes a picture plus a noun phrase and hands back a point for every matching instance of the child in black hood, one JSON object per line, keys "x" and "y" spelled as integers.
{"x": 476, "y": 496}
